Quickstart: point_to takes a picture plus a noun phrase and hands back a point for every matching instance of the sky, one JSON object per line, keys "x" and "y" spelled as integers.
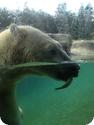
{"x": 48, "y": 6}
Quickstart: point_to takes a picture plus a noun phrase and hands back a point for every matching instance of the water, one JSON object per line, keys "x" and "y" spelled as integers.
{"x": 43, "y": 105}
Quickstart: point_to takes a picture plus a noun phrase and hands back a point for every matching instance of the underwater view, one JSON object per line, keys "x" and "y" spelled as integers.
{"x": 43, "y": 105}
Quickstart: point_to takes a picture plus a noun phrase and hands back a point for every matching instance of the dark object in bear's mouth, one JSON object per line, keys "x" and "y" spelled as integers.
{"x": 70, "y": 70}
{"x": 67, "y": 83}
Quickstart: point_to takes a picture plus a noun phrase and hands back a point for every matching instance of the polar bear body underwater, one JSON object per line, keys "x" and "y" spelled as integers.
{"x": 26, "y": 44}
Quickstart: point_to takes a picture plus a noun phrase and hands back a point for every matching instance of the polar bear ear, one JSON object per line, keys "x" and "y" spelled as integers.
{"x": 14, "y": 30}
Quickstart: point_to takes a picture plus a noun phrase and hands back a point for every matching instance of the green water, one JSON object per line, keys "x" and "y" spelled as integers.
{"x": 43, "y": 105}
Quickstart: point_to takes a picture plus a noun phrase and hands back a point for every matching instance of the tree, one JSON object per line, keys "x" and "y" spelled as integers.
{"x": 85, "y": 17}
{"x": 74, "y": 27}
{"x": 61, "y": 17}
{"x": 6, "y": 17}
{"x": 81, "y": 22}
{"x": 88, "y": 20}
{"x": 46, "y": 22}
{"x": 38, "y": 19}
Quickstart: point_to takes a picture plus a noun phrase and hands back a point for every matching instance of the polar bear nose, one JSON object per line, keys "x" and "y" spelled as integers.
{"x": 74, "y": 69}
{"x": 75, "y": 66}
{"x": 78, "y": 67}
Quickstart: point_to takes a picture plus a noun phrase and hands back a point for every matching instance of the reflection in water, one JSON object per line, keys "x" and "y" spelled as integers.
{"x": 43, "y": 105}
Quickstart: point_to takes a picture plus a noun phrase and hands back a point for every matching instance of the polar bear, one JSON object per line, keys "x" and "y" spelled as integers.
{"x": 64, "y": 39}
{"x": 22, "y": 45}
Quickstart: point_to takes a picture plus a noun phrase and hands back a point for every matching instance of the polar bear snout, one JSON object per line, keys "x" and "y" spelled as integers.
{"x": 74, "y": 69}
{"x": 67, "y": 73}
{"x": 71, "y": 70}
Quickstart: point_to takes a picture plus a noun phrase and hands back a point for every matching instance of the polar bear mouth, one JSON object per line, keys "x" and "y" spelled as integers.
{"x": 67, "y": 74}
